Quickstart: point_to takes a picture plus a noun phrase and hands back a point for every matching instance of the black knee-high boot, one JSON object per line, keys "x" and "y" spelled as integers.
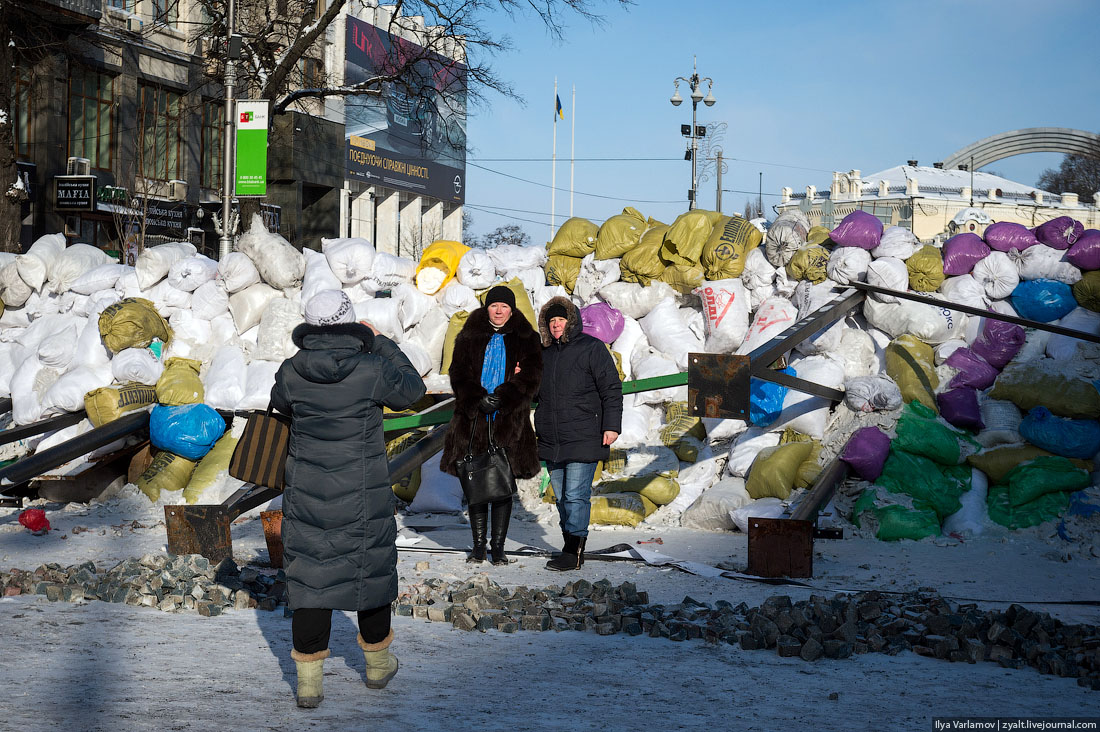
{"x": 479, "y": 520}
{"x": 502, "y": 513}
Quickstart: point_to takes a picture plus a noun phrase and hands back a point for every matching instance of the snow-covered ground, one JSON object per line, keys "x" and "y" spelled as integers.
{"x": 99, "y": 666}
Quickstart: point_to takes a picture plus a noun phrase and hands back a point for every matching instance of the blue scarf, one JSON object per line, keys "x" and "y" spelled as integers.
{"x": 492, "y": 368}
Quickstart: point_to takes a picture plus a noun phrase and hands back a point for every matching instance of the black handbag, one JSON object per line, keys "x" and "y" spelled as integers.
{"x": 486, "y": 477}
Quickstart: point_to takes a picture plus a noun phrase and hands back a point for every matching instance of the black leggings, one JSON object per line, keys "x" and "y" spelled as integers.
{"x": 310, "y": 627}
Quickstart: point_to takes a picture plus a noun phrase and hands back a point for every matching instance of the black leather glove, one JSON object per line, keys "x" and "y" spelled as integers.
{"x": 489, "y": 403}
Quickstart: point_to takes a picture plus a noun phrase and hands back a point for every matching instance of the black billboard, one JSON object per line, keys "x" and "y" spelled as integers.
{"x": 75, "y": 193}
{"x": 411, "y": 137}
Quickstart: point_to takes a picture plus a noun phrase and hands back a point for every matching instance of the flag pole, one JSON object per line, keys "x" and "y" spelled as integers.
{"x": 554, "y": 161}
{"x": 572, "y": 146}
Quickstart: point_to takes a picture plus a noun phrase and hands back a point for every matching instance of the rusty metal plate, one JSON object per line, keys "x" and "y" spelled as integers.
{"x": 273, "y": 535}
{"x": 718, "y": 385}
{"x": 199, "y": 530}
{"x": 781, "y": 547}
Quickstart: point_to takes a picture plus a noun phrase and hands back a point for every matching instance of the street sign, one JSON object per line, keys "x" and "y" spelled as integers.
{"x": 251, "y": 163}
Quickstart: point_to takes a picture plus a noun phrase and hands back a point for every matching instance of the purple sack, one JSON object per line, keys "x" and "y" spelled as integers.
{"x": 1085, "y": 254}
{"x": 973, "y": 370}
{"x": 1059, "y": 233}
{"x": 602, "y": 321}
{"x": 960, "y": 408}
{"x": 866, "y": 452}
{"x": 999, "y": 342}
{"x": 961, "y": 252}
{"x": 858, "y": 229}
{"x": 1005, "y": 235}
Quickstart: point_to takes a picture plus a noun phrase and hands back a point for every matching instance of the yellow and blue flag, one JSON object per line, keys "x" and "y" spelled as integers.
{"x": 558, "y": 112}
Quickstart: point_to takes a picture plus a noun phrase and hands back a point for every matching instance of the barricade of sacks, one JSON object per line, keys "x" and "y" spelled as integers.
{"x": 652, "y": 291}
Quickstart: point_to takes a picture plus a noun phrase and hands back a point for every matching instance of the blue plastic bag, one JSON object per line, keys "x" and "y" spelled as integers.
{"x": 188, "y": 431}
{"x": 766, "y": 400}
{"x": 1073, "y": 438}
{"x": 1043, "y": 300}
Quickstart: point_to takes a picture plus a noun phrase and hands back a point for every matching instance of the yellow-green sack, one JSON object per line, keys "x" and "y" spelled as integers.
{"x": 180, "y": 383}
{"x": 775, "y": 470}
{"x": 108, "y": 403}
{"x": 619, "y": 234}
{"x": 730, "y": 242}
{"x": 1086, "y": 291}
{"x": 684, "y": 240}
{"x": 132, "y": 323}
{"x": 809, "y": 263}
{"x": 406, "y": 488}
{"x": 643, "y": 264}
{"x": 212, "y": 464}
{"x": 680, "y": 423}
{"x": 925, "y": 269}
{"x": 818, "y": 236}
{"x": 620, "y": 509}
{"x": 682, "y": 277}
{"x": 1029, "y": 386}
{"x": 458, "y": 320}
{"x": 575, "y": 238}
{"x": 998, "y": 462}
{"x": 168, "y": 472}
{"x": 563, "y": 270}
{"x": 656, "y": 489}
{"x": 910, "y": 362}
{"x": 810, "y": 469}
{"x": 523, "y": 300}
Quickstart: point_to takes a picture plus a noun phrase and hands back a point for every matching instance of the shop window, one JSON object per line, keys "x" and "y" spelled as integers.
{"x": 159, "y": 115}
{"x": 91, "y": 118}
{"x": 213, "y": 145}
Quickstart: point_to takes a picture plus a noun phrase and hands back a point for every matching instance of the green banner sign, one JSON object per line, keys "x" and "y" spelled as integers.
{"x": 251, "y": 161}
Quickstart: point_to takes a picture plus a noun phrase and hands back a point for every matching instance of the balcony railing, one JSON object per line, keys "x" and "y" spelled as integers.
{"x": 87, "y": 10}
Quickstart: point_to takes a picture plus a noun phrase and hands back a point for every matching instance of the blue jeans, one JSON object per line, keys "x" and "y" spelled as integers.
{"x": 573, "y": 490}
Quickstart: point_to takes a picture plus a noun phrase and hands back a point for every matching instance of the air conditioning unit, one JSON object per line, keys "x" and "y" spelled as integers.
{"x": 134, "y": 24}
{"x": 78, "y": 166}
{"x": 177, "y": 190}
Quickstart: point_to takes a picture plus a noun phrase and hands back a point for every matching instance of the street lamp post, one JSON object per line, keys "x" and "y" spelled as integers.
{"x": 696, "y": 96}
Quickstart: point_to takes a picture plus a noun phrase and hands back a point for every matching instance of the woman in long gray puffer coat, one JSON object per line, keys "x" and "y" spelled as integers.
{"x": 338, "y": 527}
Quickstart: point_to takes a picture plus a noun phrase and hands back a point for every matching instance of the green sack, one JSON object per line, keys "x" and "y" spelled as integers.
{"x": 563, "y": 270}
{"x": 575, "y": 238}
{"x": 657, "y": 489}
{"x": 910, "y": 363}
{"x": 920, "y": 433}
{"x": 619, "y": 234}
{"x": 1029, "y": 386}
{"x": 1046, "y": 507}
{"x": 892, "y": 517}
{"x": 1044, "y": 475}
{"x": 775, "y": 469}
{"x": 809, "y": 263}
{"x": 643, "y": 264}
{"x": 930, "y": 484}
{"x": 925, "y": 269}
{"x": 685, "y": 239}
{"x": 728, "y": 246}
{"x": 998, "y": 462}
{"x": 1087, "y": 291}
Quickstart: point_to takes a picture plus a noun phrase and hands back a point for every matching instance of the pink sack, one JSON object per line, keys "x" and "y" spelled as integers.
{"x": 973, "y": 370}
{"x": 858, "y": 229}
{"x": 1085, "y": 254}
{"x": 961, "y": 252}
{"x": 1059, "y": 233}
{"x": 1005, "y": 235}
{"x": 960, "y": 408}
{"x": 866, "y": 452}
{"x": 602, "y": 321}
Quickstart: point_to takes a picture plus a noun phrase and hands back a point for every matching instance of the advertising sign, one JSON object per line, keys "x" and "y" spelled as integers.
{"x": 412, "y": 137}
{"x": 251, "y": 164}
{"x": 75, "y": 193}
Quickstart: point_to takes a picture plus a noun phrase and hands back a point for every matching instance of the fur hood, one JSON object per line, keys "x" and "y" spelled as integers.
{"x": 341, "y": 335}
{"x": 573, "y": 324}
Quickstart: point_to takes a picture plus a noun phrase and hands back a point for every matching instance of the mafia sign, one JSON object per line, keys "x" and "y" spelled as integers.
{"x": 75, "y": 193}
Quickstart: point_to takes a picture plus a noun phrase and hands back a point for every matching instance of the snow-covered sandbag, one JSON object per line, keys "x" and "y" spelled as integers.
{"x": 279, "y": 264}
{"x": 259, "y": 378}
{"x": 848, "y": 264}
{"x": 696, "y": 478}
{"x": 806, "y": 413}
{"x": 1059, "y": 233}
{"x": 961, "y": 252}
{"x": 247, "y": 306}
{"x": 726, "y": 312}
{"x": 872, "y": 393}
{"x": 973, "y": 518}
{"x": 964, "y": 290}
{"x": 350, "y": 260}
{"x": 28, "y": 385}
{"x": 634, "y": 300}
{"x": 382, "y": 313}
{"x": 774, "y": 316}
{"x": 476, "y": 269}
{"x": 276, "y": 324}
{"x": 154, "y": 262}
{"x": 1002, "y": 422}
{"x": 889, "y": 273}
{"x": 438, "y": 492}
{"x": 167, "y": 298}
{"x": 767, "y": 507}
{"x": 649, "y": 362}
{"x": 745, "y": 449}
{"x": 1043, "y": 262}
{"x": 628, "y": 340}
{"x": 1060, "y": 347}
{"x": 99, "y": 278}
{"x": 136, "y": 365}
{"x": 236, "y": 271}
{"x": 636, "y": 424}
{"x": 1005, "y": 236}
{"x": 57, "y": 350}
{"x": 457, "y": 297}
{"x": 224, "y": 381}
{"x": 711, "y": 510}
{"x": 758, "y": 271}
{"x": 209, "y": 300}
{"x": 188, "y": 273}
{"x": 668, "y": 333}
{"x": 13, "y": 290}
{"x": 896, "y": 242}
{"x": 412, "y": 304}
{"x": 67, "y": 393}
{"x": 34, "y": 265}
{"x": 74, "y": 262}
{"x": 388, "y": 272}
{"x": 595, "y": 274}
{"x": 510, "y": 258}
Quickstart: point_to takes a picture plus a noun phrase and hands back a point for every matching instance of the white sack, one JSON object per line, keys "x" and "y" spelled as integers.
{"x": 318, "y": 275}
{"x": 167, "y": 298}
{"x": 711, "y": 510}
{"x": 1042, "y": 262}
{"x": 774, "y": 316}
{"x": 723, "y": 430}
{"x": 430, "y": 279}
{"x": 806, "y": 413}
{"x": 7, "y": 366}
{"x": 99, "y": 278}
{"x": 726, "y": 312}
{"x": 136, "y": 365}
{"x": 944, "y": 350}
{"x": 188, "y": 273}
{"x": 634, "y": 300}
{"x": 67, "y": 393}
{"x": 209, "y": 300}
{"x": 627, "y": 341}
{"x": 929, "y": 323}
{"x": 872, "y": 393}
{"x": 476, "y": 269}
{"x": 696, "y": 478}
{"x": 637, "y": 420}
{"x": 647, "y": 363}
{"x": 381, "y": 312}
{"x": 745, "y": 449}
{"x": 351, "y": 260}
{"x": 695, "y": 321}
{"x": 760, "y": 508}
{"x": 1064, "y": 348}
{"x": 457, "y": 297}
{"x": 1002, "y": 422}
{"x": 154, "y": 262}
{"x": 758, "y": 271}
{"x": 595, "y": 274}
{"x": 412, "y": 305}
{"x": 388, "y": 272}
{"x": 890, "y": 273}
{"x": 224, "y": 380}
{"x": 668, "y": 333}
{"x": 855, "y": 352}
{"x": 997, "y": 274}
{"x": 259, "y": 378}
{"x": 973, "y": 518}
{"x": 248, "y": 305}
{"x": 90, "y": 348}
{"x": 510, "y": 258}
{"x": 26, "y": 404}
{"x": 13, "y": 290}
{"x": 74, "y": 262}
{"x": 964, "y": 290}
{"x": 34, "y": 265}
{"x": 651, "y": 460}
{"x": 430, "y": 334}
{"x": 417, "y": 356}
{"x": 56, "y": 351}
{"x": 279, "y": 264}
{"x": 279, "y": 319}
{"x": 438, "y": 492}
{"x": 896, "y": 242}
{"x": 848, "y": 264}
{"x": 191, "y": 337}
{"x": 236, "y": 272}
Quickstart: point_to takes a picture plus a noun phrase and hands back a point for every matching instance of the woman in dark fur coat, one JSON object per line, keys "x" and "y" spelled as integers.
{"x": 494, "y": 378}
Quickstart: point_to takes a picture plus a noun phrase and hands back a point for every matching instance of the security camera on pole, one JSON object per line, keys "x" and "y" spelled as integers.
{"x": 694, "y": 132}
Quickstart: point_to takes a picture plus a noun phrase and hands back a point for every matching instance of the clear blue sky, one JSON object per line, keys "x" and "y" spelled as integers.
{"x": 805, "y": 88}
